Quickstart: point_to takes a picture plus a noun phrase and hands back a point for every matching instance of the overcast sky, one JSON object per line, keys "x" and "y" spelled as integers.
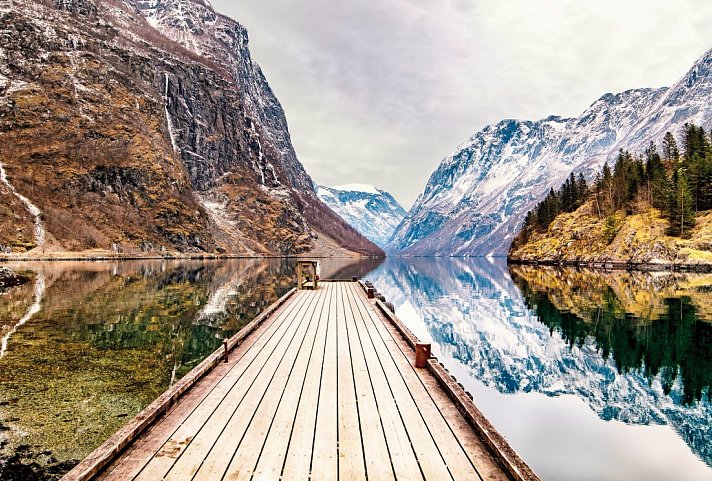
{"x": 381, "y": 91}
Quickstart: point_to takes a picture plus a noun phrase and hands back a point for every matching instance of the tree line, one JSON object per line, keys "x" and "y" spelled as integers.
{"x": 676, "y": 181}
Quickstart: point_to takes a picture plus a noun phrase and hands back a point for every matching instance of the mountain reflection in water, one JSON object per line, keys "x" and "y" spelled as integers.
{"x": 590, "y": 375}
{"x": 636, "y": 348}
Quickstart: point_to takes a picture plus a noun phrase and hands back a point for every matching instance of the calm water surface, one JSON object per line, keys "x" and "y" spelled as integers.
{"x": 589, "y": 375}
{"x": 601, "y": 376}
{"x": 86, "y": 346}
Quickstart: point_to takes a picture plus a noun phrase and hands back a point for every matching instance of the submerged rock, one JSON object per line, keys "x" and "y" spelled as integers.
{"x": 24, "y": 465}
{"x": 10, "y": 278}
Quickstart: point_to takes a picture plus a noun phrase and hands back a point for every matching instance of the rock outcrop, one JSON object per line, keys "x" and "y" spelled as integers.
{"x": 10, "y": 278}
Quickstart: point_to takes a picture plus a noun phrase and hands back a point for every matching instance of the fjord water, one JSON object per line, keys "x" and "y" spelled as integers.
{"x": 589, "y": 375}
{"x": 86, "y": 346}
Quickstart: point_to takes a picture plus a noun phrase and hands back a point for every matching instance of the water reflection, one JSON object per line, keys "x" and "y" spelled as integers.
{"x": 86, "y": 346}
{"x": 635, "y": 348}
{"x": 590, "y": 375}
{"x": 654, "y": 329}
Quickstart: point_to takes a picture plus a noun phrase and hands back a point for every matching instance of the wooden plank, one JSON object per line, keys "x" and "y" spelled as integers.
{"x": 326, "y": 390}
{"x": 218, "y": 381}
{"x": 282, "y": 394}
{"x": 351, "y": 458}
{"x": 486, "y": 465}
{"x": 297, "y": 464}
{"x": 218, "y": 408}
{"x": 427, "y": 450}
{"x": 209, "y": 453}
{"x": 293, "y": 428}
{"x": 452, "y": 451}
{"x": 403, "y": 459}
{"x": 324, "y": 465}
{"x": 376, "y": 453}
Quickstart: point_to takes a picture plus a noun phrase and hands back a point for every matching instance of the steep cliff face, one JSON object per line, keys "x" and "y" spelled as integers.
{"x": 147, "y": 126}
{"x": 476, "y": 200}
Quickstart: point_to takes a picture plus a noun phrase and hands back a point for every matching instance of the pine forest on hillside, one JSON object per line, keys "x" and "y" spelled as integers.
{"x": 678, "y": 183}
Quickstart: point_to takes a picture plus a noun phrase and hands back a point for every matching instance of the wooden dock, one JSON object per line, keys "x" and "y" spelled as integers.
{"x": 322, "y": 388}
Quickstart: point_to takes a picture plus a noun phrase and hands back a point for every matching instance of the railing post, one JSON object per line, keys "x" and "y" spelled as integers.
{"x": 422, "y": 354}
{"x": 354, "y": 279}
{"x": 225, "y": 349}
{"x": 370, "y": 293}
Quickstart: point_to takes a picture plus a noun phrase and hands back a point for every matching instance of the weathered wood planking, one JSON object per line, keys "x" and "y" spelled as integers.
{"x": 324, "y": 389}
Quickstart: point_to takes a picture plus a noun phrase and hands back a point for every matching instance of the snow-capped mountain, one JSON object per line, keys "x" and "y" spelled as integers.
{"x": 371, "y": 211}
{"x": 477, "y": 198}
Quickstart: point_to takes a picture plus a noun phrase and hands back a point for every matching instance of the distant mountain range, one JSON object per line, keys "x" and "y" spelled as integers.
{"x": 141, "y": 125}
{"x": 476, "y": 200}
{"x": 371, "y": 211}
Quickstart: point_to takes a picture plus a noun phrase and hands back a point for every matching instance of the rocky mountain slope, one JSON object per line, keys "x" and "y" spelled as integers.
{"x": 146, "y": 126}
{"x": 371, "y": 211}
{"x": 476, "y": 200}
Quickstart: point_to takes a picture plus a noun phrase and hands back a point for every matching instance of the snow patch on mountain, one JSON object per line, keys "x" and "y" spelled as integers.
{"x": 372, "y": 212}
{"x": 369, "y": 189}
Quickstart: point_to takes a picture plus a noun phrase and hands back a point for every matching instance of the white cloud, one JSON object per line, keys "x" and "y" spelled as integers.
{"x": 380, "y": 92}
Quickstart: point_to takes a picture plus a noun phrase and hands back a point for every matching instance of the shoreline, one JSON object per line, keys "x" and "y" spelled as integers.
{"x": 79, "y": 257}
{"x": 617, "y": 265}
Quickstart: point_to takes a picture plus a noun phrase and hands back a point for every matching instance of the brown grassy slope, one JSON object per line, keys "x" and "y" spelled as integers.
{"x": 640, "y": 239}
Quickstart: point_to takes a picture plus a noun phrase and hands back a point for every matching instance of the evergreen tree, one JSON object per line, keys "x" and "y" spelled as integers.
{"x": 697, "y": 149}
{"x": 656, "y": 178}
{"x": 671, "y": 153}
{"x": 680, "y": 208}
{"x": 678, "y": 185}
{"x": 582, "y": 189}
{"x": 695, "y": 142}
{"x": 705, "y": 183}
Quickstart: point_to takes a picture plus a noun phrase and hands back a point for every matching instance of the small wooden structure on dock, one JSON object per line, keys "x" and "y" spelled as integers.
{"x": 324, "y": 387}
{"x": 308, "y": 274}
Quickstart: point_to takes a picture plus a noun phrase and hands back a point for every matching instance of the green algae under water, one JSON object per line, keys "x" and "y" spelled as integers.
{"x": 86, "y": 346}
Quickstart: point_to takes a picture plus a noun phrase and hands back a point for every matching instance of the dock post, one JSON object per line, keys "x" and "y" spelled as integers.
{"x": 370, "y": 293}
{"x": 225, "y": 349}
{"x": 422, "y": 354}
{"x": 354, "y": 279}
